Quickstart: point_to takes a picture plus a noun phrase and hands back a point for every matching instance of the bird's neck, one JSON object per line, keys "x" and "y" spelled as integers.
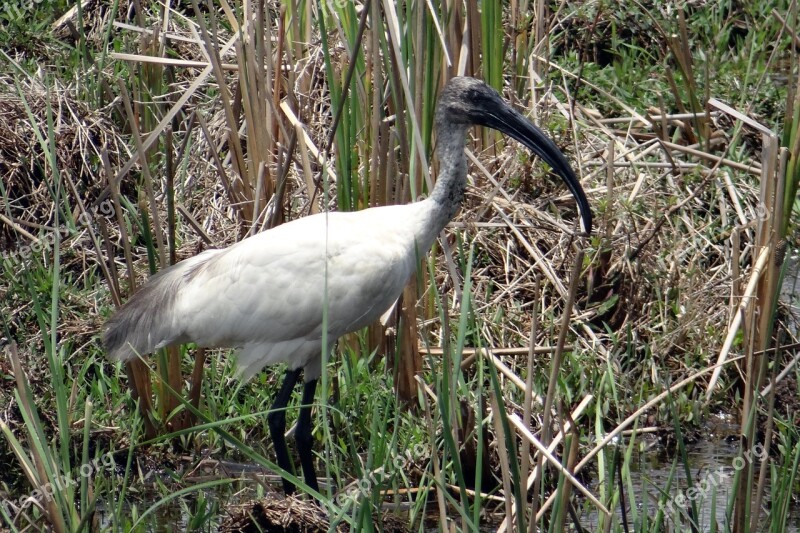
{"x": 451, "y": 183}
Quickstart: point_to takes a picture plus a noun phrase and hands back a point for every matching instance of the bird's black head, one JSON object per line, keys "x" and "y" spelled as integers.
{"x": 466, "y": 101}
{"x": 469, "y": 101}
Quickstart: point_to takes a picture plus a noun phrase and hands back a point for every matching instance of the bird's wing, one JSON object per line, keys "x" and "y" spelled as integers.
{"x": 264, "y": 288}
{"x": 266, "y": 295}
{"x": 271, "y": 288}
{"x": 147, "y": 320}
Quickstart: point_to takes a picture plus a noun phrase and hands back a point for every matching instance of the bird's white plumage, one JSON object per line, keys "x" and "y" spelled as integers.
{"x": 265, "y": 294}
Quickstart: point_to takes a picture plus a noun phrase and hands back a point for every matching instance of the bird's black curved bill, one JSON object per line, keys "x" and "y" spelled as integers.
{"x": 513, "y": 124}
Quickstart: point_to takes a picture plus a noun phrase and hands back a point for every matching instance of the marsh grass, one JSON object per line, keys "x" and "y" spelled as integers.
{"x": 221, "y": 128}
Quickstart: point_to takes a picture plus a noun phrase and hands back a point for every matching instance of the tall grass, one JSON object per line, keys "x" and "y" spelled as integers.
{"x": 299, "y": 107}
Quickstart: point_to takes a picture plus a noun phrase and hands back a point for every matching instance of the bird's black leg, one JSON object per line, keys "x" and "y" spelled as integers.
{"x": 303, "y": 437}
{"x": 277, "y": 425}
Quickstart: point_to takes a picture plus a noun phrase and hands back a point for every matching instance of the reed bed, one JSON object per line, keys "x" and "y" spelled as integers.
{"x": 524, "y": 365}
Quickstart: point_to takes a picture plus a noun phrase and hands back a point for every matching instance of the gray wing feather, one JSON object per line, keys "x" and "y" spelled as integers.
{"x": 146, "y": 322}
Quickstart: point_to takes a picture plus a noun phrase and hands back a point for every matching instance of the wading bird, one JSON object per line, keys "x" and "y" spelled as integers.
{"x": 265, "y": 295}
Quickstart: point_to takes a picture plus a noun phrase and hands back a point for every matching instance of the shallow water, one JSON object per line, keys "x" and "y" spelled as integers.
{"x": 712, "y": 462}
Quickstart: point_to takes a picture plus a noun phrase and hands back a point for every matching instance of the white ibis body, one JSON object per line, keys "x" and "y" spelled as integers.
{"x": 265, "y": 295}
